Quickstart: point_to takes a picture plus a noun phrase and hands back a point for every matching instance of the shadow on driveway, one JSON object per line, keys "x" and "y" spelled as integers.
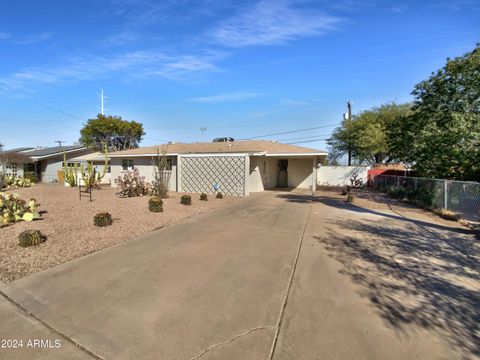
{"x": 413, "y": 272}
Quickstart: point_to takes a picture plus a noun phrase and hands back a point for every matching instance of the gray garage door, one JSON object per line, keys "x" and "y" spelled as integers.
{"x": 199, "y": 173}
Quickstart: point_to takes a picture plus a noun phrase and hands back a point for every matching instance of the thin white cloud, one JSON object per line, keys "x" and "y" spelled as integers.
{"x": 140, "y": 64}
{"x": 121, "y": 38}
{"x": 25, "y": 40}
{"x": 272, "y": 23}
{"x": 235, "y": 96}
{"x": 32, "y": 39}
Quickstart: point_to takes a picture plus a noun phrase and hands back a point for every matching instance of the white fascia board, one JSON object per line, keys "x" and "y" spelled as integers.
{"x": 212, "y": 154}
{"x": 126, "y": 156}
{"x": 298, "y": 154}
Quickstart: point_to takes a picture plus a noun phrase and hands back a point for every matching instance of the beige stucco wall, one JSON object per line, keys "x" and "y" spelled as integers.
{"x": 144, "y": 166}
{"x": 300, "y": 173}
{"x": 264, "y": 171}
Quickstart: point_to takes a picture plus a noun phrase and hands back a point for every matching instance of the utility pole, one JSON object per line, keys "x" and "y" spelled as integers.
{"x": 203, "y": 129}
{"x": 349, "y": 119}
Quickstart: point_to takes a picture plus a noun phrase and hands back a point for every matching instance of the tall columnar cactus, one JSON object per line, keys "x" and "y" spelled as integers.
{"x": 91, "y": 178}
{"x": 70, "y": 173}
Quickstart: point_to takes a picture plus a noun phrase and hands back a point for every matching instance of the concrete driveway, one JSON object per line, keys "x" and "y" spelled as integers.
{"x": 274, "y": 276}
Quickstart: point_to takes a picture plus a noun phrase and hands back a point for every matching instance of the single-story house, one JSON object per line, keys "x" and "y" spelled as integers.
{"x": 14, "y": 163}
{"x": 239, "y": 167}
{"x": 41, "y": 164}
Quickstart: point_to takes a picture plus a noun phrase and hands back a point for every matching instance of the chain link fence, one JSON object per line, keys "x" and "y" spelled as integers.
{"x": 460, "y": 197}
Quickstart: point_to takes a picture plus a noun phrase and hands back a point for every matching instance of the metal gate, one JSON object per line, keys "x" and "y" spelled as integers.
{"x": 199, "y": 173}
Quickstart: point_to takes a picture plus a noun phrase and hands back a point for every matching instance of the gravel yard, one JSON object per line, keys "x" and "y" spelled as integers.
{"x": 68, "y": 223}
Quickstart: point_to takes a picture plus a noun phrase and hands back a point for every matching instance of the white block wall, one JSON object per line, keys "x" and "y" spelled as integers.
{"x": 340, "y": 175}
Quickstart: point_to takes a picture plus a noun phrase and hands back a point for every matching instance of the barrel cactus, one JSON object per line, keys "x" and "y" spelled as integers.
{"x": 203, "y": 197}
{"x": 102, "y": 219}
{"x": 31, "y": 238}
{"x": 155, "y": 204}
{"x": 186, "y": 200}
{"x": 219, "y": 195}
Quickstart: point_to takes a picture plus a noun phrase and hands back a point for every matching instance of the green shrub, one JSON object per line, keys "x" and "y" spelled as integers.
{"x": 155, "y": 204}
{"x": 397, "y": 192}
{"x": 203, "y": 197}
{"x": 102, "y": 219}
{"x": 31, "y": 238}
{"x": 186, "y": 200}
{"x": 219, "y": 195}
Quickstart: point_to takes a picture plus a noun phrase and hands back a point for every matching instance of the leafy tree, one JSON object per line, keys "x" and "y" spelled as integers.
{"x": 367, "y": 134}
{"x": 117, "y": 133}
{"x": 442, "y": 136}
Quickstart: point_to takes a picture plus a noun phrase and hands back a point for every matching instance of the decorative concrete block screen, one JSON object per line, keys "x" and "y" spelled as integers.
{"x": 199, "y": 173}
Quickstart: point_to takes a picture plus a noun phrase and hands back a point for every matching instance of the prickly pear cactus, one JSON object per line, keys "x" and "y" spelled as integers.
{"x": 31, "y": 238}
{"x": 13, "y": 209}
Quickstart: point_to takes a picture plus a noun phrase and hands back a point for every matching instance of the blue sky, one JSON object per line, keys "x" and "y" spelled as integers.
{"x": 239, "y": 68}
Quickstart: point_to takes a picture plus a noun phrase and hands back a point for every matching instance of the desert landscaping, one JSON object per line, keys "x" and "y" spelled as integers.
{"x": 68, "y": 225}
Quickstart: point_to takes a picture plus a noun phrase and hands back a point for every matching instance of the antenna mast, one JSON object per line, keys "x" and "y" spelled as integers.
{"x": 102, "y": 102}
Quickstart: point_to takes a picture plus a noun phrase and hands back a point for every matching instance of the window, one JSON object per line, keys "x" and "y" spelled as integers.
{"x": 127, "y": 164}
{"x": 11, "y": 169}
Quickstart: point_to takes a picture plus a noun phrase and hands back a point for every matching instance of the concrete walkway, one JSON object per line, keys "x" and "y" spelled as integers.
{"x": 269, "y": 277}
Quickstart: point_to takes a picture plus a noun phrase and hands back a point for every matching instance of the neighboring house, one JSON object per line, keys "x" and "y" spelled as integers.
{"x": 239, "y": 167}
{"x": 14, "y": 163}
{"x": 42, "y": 164}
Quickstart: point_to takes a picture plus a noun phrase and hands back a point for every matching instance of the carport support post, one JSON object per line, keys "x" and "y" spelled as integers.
{"x": 314, "y": 176}
{"x": 179, "y": 173}
{"x": 246, "y": 186}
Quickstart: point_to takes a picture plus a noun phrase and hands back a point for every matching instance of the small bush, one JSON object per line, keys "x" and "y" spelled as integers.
{"x": 186, "y": 200}
{"x": 350, "y": 198}
{"x": 203, "y": 197}
{"x": 31, "y": 238}
{"x": 447, "y": 215}
{"x": 219, "y": 195}
{"x": 132, "y": 184}
{"x": 396, "y": 192}
{"x": 102, "y": 219}
{"x": 155, "y": 204}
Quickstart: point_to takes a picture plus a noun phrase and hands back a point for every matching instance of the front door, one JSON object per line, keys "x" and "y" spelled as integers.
{"x": 282, "y": 178}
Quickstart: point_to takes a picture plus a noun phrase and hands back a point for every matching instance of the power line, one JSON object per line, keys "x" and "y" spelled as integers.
{"x": 290, "y": 132}
{"x": 302, "y": 137}
{"x": 306, "y": 141}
